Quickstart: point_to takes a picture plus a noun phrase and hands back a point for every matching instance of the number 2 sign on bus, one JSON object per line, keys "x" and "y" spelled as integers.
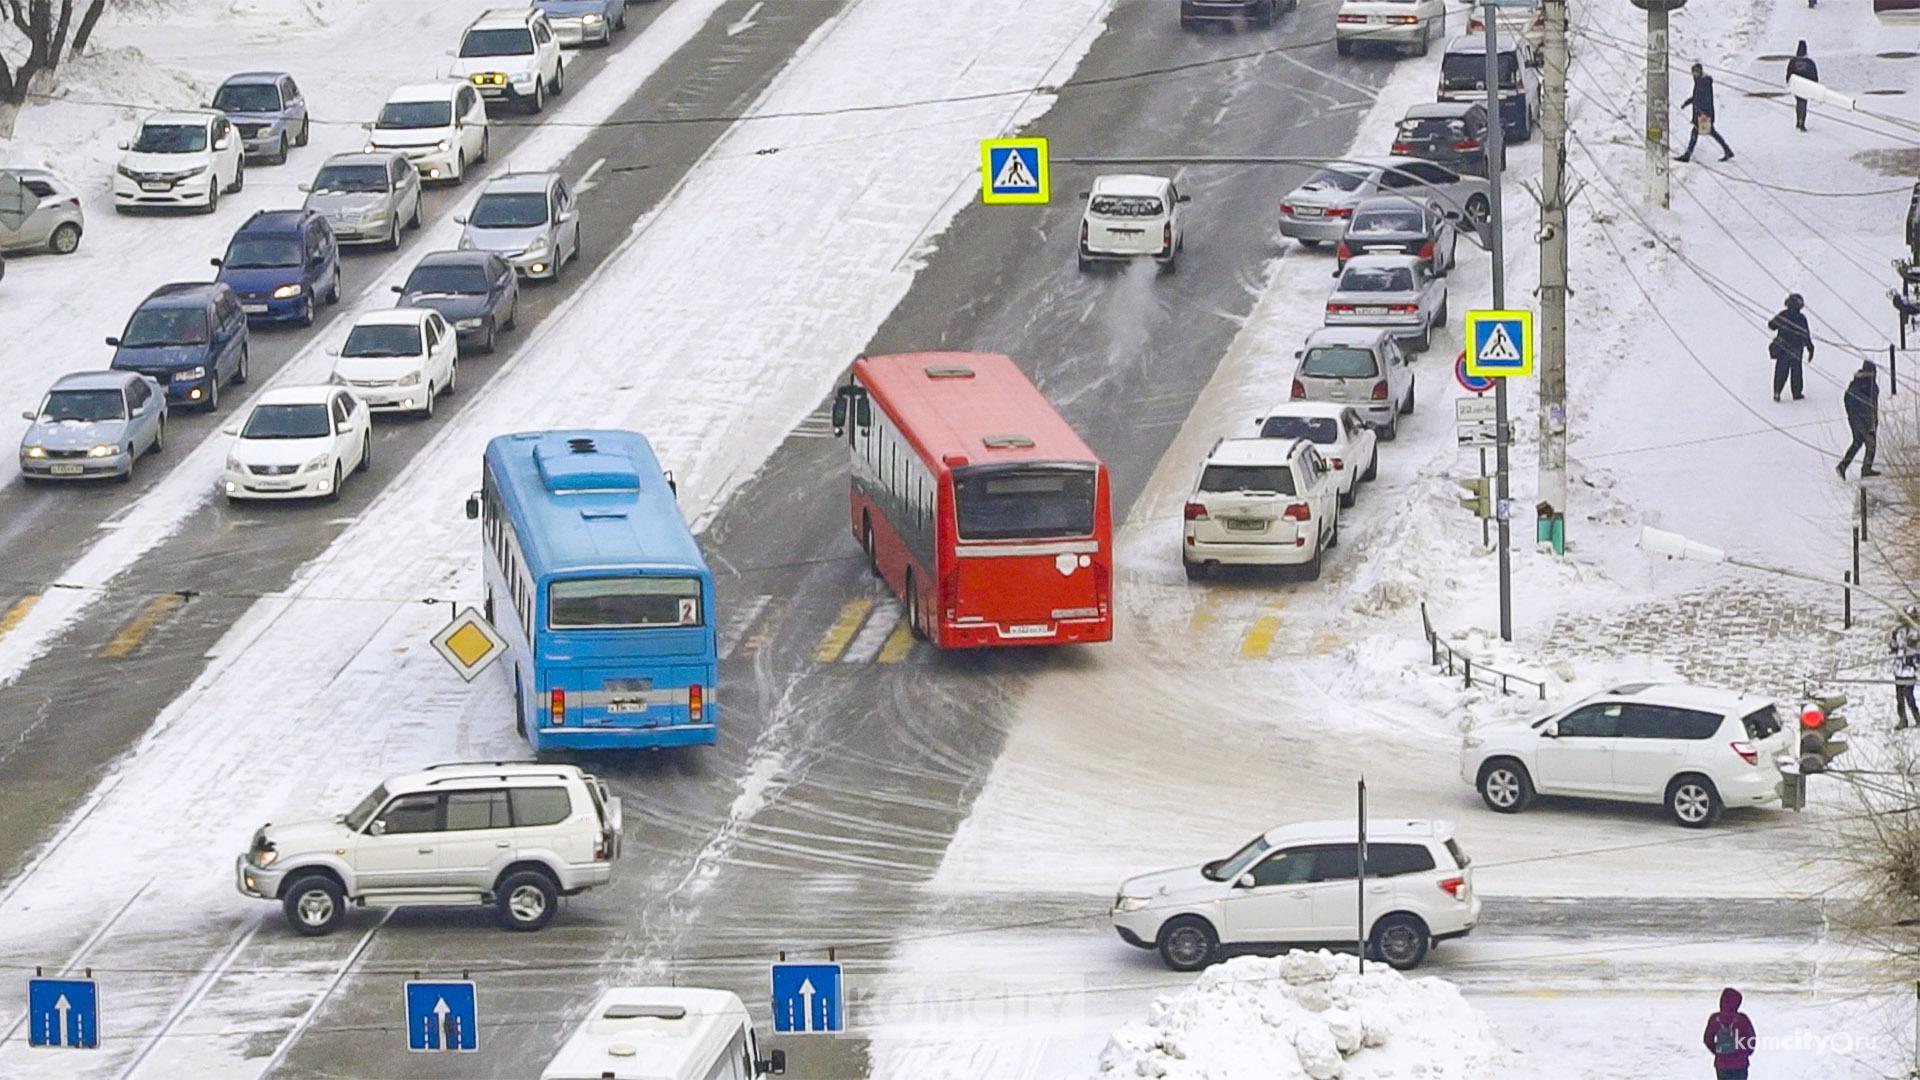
{"x": 975, "y": 502}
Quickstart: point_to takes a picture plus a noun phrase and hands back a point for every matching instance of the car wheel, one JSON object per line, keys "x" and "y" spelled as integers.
{"x": 366, "y": 454}
{"x": 306, "y": 313}
{"x": 1333, "y": 538}
{"x": 1187, "y": 943}
{"x": 1373, "y": 464}
{"x": 65, "y": 239}
{"x": 620, "y": 20}
{"x": 333, "y": 290}
{"x": 538, "y": 103}
{"x": 1440, "y": 317}
{"x": 1347, "y": 496}
{"x": 414, "y": 221}
{"x": 1197, "y": 571}
{"x": 1480, "y": 209}
{"x": 393, "y": 235}
{"x": 127, "y": 477}
{"x": 1265, "y": 19}
{"x": 239, "y": 179}
{"x": 1401, "y": 940}
{"x": 333, "y": 493}
{"x": 1086, "y": 265}
{"x": 1343, "y": 46}
{"x": 239, "y": 373}
{"x": 487, "y": 344}
{"x": 314, "y": 905}
{"x": 559, "y": 80}
{"x": 1392, "y": 430}
{"x": 280, "y": 152}
{"x": 1170, "y": 265}
{"x": 453, "y": 378}
{"x": 1426, "y": 35}
{"x": 513, "y": 315}
{"x": 425, "y": 412}
{"x": 213, "y": 199}
{"x": 913, "y": 609}
{"x": 1308, "y": 244}
{"x": 459, "y": 166}
{"x": 1413, "y": 385}
{"x": 306, "y": 132}
{"x": 1505, "y": 786}
{"x": 1693, "y": 802}
{"x": 1310, "y": 570}
{"x": 486, "y": 150}
{"x": 525, "y": 900}
{"x": 213, "y": 394}
{"x": 159, "y": 437}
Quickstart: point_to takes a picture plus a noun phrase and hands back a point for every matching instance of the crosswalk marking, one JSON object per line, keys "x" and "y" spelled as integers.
{"x": 898, "y": 644}
{"x": 18, "y": 612}
{"x": 739, "y": 621}
{"x": 138, "y": 627}
{"x": 1259, "y": 636}
{"x": 845, "y": 625}
{"x": 873, "y": 634}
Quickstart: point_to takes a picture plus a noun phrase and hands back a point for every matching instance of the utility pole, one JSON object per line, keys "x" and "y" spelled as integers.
{"x": 1496, "y": 156}
{"x": 1551, "y": 513}
{"x": 1659, "y": 141}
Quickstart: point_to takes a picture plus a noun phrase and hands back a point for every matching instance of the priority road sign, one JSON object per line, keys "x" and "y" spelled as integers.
{"x": 1472, "y": 384}
{"x": 1499, "y": 343}
{"x": 469, "y": 643}
{"x": 808, "y": 998}
{"x": 1014, "y": 171}
{"x": 64, "y": 1013}
{"x": 442, "y": 1016}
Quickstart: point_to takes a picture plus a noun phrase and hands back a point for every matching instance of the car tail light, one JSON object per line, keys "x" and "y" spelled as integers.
{"x": 1746, "y": 751}
{"x": 1339, "y": 211}
{"x": 73, "y": 200}
{"x": 1083, "y": 234}
{"x": 1426, "y": 250}
{"x": 1299, "y": 512}
{"x": 1467, "y": 144}
{"x": 1166, "y": 238}
{"x": 1299, "y": 390}
{"x": 1540, "y": 21}
{"x": 1454, "y": 886}
{"x": 602, "y": 846}
{"x": 1350, "y": 18}
{"x": 1380, "y": 390}
{"x": 1286, "y": 208}
{"x": 1335, "y": 464}
{"x": 1404, "y": 20}
{"x": 1403, "y": 309}
{"x": 1339, "y": 309}
{"x": 1475, "y": 22}
{"x": 559, "y": 707}
{"x": 1343, "y": 252}
{"x": 1402, "y": 146}
{"x": 1196, "y": 512}
{"x": 695, "y": 702}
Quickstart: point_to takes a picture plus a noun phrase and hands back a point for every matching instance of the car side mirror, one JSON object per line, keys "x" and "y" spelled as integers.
{"x": 122, "y": 144}
{"x": 568, "y": 216}
{"x": 1184, "y": 198}
{"x": 304, "y": 186}
{"x": 378, "y": 828}
{"x": 1084, "y": 194}
{"x": 1298, "y": 353}
{"x": 215, "y": 262}
{"x": 366, "y": 125}
{"x": 234, "y": 430}
{"x": 333, "y": 352}
{"x": 222, "y": 144}
{"x": 114, "y": 341}
{"x": 473, "y": 508}
{"x": 775, "y": 1065}
{"x": 1246, "y": 882}
{"x": 1551, "y": 730}
{"x": 459, "y": 219}
{"x": 28, "y": 415}
{"x": 401, "y": 289}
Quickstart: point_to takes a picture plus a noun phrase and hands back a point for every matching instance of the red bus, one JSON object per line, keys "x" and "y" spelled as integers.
{"x": 976, "y": 503}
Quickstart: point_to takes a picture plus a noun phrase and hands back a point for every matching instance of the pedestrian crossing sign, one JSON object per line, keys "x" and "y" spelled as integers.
{"x": 1499, "y": 343}
{"x": 1013, "y": 171}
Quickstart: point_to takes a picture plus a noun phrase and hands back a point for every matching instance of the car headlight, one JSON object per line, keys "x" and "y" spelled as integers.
{"x": 124, "y": 171}
{"x": 522, "y": 76}
{"x": 287, "y": 292}
{"x": 441, "y": 145}
{"x": 34, "y": 451}
{"x": 1470, "y": 742}
{"x": 370, "y": 148}
{"x": 467, "y": 324}
{"x": 411, "y": 378}
{"x": 233, "y": 464}
{"x": 337, "y": 379}
{"x": 264, "y": 859}
{"x": 195, "y": 171}
{"x": 466, "y": 242}
{"x": 318, "y": 463}
{"x": 195, "y": 372}
{"x": 592, "y": 18}
{"x": 102, "y": 451}
{"x": 537, "y": 247}
{"x": 1129, "y": 903}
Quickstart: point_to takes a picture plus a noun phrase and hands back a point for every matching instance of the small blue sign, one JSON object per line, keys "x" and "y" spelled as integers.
{"x": 1015, "y": 169}
{"x": 63, "y": 1012}
{"x": 808, "y": 998}
{"x": 442, "y": 1016}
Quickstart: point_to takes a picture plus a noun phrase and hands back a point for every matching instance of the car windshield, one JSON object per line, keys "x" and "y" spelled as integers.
{"x": 1024, "y": 502}
{"x": 414, "y": 114}
{"x": 1468, "y": 71}
{"x": 350, "y": 179}
{"x": 622, "y": 602}
{"x": 248, "y": 98}
{"x": 1230, "y": 867}
{"x": 165, "y": 326}
{"x": 1244, "y": 478}
{"x": 1388, "y": 221}
{"x": 86, "y": 405}
{"x": 509, "y": 210}
{"x": 171, "y": 139}
{"x": 357, "y": 818}
{"x": 1338, "y": 362}
{"x": 447, "y": 278}
{"x": 383, "y": 339}
{"x": 1376, "y": 279}
{"x": 1336, "y": 180}
{"x": 1324, "y": 430}
{"x": 259, "y": 252}
{"x": 511, "y": 41}
{"x": 1439, "y": 130}
{"x": 1125, "y": 206}
{"x": 287, "y": 422}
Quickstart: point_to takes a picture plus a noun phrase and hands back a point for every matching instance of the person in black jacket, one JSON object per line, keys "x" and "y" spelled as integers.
{"x": 1803, "y": 66}
{"x": 1863, "y": 417}
{"x": 1791, "y": 341}
{"x": 1704, "y": 122}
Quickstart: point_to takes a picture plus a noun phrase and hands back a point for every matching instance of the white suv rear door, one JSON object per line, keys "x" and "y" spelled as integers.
{"x": 477, "y": 839}
{"x": 1653, "y": 745}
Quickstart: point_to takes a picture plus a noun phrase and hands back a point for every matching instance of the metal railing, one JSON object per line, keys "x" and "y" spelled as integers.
{"x": 1453, "y": 661}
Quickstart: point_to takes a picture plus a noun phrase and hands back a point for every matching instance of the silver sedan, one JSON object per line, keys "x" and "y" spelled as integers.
{"x": 1394, "y": 292}
{"x": 39, "y": 210}
{"x": 1320, "y": 208}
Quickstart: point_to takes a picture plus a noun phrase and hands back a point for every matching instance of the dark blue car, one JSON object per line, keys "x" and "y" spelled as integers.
{"x": 189, "y": 337}
{"x": 283, "y": 264}
{"x": 475, "y": 291}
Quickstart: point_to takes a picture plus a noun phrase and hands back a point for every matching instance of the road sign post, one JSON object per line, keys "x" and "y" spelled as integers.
{"x": 1499, "y": 347}
{"x": 63, "y": 1013}
{"x": 1014, "y": 171}
{"x": 442, "y": 1016}
{"x": 808, "y": 999}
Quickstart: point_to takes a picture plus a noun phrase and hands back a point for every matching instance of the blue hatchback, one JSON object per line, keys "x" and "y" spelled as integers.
{"x": 283, "y": 264}
{"x": 189, "y": 337}
{"x": 269, "y": 110}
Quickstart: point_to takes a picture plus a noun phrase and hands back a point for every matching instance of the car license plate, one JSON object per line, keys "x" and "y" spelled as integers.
{"x": 1307, "y": 211}
{"x": 1029, "y": 630}
{"x": 1371, "y": 310}
{"x": 254, "y": 309}
{"x": 627, "y": 707}
{"x": 1243, "y": 524}
{"x": 155, "y": 185}
{"x": 67, "y": 470}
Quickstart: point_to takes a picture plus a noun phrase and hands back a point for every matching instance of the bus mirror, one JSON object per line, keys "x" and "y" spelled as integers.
{"x": 863, "y": 413}
{"x": 776, "y": 1063}
{"x": 840, "y": 412}
{"x": 473, "y": 507}
{"x": 671, "y": 485}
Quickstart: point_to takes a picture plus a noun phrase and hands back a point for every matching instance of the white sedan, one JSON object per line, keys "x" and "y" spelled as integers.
{"x": 1346, "y": 442}
{"x": 298, "y": 443}
{"x": 399, "y": 360}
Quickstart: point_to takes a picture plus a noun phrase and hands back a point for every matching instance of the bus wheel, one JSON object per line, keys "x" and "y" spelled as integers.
{"x": 913, "y": 610}
{"x": 866, "y": 541}
{"x": 519, "y": 706}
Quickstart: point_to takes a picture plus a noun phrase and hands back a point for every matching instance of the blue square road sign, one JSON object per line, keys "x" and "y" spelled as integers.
{"x": 442, "y": 1016}
{"x": 63, "y": 1012}
{"x": 808, "y": 998}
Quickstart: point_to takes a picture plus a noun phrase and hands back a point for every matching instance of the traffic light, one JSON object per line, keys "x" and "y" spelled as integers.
{"x": 1482, "y": 501}
{"x": 1822, "y": 733}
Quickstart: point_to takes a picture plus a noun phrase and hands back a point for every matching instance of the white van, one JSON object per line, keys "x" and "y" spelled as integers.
{"x": 664, "y": 1033}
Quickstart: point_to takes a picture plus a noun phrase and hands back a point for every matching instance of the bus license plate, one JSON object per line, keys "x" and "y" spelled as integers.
{"x": 1030, "y": 630}
{"x": 627, "y": 707}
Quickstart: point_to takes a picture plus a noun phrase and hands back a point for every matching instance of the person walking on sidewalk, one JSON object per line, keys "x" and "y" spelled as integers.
{"x": 1803, "y": 66}
{"x": 1792, "y": 340}
{"x": 1863, "y": 418}
{"x": 1704, "y": 123}
{"x": 1730, "y": 1037}
{"x": 1904, "y": 645}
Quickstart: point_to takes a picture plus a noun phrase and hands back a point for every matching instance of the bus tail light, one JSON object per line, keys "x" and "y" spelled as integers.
{"x": 1196, "y": 512}
{"x": 1299, "y": 512}
{"x": 559, "y": 707}
{"x": 695, "y": 702}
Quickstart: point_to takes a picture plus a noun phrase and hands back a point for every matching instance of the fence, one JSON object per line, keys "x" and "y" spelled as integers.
{"x": 1452, "y": 661}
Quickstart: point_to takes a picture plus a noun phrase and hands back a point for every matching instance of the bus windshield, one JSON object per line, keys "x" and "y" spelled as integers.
{"x": 1024, "y": 502}
{"x": 611, "y": 603}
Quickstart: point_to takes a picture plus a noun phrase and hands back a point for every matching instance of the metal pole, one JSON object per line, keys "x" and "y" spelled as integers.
{"x": 1496, "y": 151}
{"x": 1552, "y": 498}
{"x": 1486, "y": 540}
{"x": 1659, "y": 142}
{"x": 1360, "y": 869}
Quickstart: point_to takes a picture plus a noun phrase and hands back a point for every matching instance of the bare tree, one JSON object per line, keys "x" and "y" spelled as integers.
{"x": 44, "y": 31}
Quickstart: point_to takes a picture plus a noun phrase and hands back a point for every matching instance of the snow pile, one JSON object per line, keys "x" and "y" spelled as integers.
{"x": 1301, "y": 1016}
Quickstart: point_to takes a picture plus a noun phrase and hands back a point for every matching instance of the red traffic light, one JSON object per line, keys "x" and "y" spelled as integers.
{"x": 1812, "y": 717}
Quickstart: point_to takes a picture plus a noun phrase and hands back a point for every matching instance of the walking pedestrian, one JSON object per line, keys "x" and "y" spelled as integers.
{"x": 1863, "y": 418}
{"x": 1792, "y": 340}
{"x": 1803, "y": 66}
{"x": 1904, "y": 645}
{"x": 1730, "y": 1037}
{"x": 1701, "y": 102}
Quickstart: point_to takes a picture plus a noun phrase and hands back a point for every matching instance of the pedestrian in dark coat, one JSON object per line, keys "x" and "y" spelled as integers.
{"x": 1730, "y": 1037}
{"x": 1803, "y": 66}
{"x": 1863, "y": 417}
{"x": 1791, "y": 342}
{"x": 1903, "y": 645}
{"x": 1704, "y": 120}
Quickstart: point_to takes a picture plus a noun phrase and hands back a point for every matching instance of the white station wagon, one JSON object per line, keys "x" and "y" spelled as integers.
{"x": 1132, "y": 217}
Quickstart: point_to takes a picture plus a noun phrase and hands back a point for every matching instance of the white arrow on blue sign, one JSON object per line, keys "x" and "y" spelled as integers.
{"x": 63, "y": 1012}
{"x": 808, "y": 998}
{"x": 442, "y": 1016}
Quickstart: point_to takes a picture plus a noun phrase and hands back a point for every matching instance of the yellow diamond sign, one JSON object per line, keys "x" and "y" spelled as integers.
{"x": 469, "y": 644}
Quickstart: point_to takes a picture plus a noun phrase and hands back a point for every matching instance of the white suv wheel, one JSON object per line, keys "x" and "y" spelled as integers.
{"x": 527, "y": 903}
{"x": 316, "y": 908}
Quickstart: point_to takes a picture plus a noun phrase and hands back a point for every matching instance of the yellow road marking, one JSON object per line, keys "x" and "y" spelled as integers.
{"x": 898, "y": 645}
{"x": 18, "y": 612}
{"x": 852, "y": 614}
{"x": 138, "y": 627}
{"x": 1260, "y": 636}
{"x": 1203, "y": 612}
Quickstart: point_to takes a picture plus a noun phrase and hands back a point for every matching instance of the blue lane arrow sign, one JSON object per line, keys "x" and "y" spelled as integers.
{"x": 63, "y": 1012}
{"x": 807, "y": 998}
{"x": 442, "y": 1016}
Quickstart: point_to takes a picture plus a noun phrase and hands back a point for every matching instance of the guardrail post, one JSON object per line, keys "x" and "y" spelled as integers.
{"x": 1467, "y": 663}
{"x": 1846, "y": 600}
{"x": 1863, "y": 513}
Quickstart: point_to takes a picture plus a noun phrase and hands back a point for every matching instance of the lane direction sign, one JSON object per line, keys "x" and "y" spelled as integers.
{"x": 442, "y": 1016}
{"x": 63, "y": 1013}
{"x": 808, "y": 998}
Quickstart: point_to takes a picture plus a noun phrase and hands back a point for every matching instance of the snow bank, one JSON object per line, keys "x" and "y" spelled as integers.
{"x": 1301, "y": 1016}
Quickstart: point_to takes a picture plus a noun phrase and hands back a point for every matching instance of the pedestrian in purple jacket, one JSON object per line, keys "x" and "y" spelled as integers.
{"x": 1729, "y": 1036}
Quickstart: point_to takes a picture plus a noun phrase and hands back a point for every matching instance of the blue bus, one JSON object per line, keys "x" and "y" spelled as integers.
{"x": 600, "y": 591}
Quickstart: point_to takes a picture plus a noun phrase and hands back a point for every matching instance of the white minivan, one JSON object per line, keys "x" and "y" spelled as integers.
{"x": 664, "y": 1033}
{"x": 1132, "y": 217}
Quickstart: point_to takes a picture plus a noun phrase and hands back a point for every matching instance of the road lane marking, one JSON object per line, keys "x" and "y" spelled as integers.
{"x": 745, "y": 22}
{"x": 1203, "y": 612}
{"x": 585, "y": 183}
{"x": 899, "y": 644}
{"x": 1259, "y": 637}
{"x": 741, "y": 621}
{"x": 852, "y": 614}
{"x": 138, "y": 627}
{"x": 868, "y": 642}
{"x": 17, "y": 612}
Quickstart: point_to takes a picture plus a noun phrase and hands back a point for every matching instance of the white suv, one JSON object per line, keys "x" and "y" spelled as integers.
{"x": 517, "y": 835}
{"x": 1261, "y": 502}
{"x": 440, "y": 127}
{"x": 185, "y": 158}
{"x": 1132, "y": 217}
{"x": 511, "y": 54}
{"x": 1693, "y": 748}
{"x": 1297, "y": 885}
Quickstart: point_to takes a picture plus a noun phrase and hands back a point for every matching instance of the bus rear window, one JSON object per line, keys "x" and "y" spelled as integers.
{"x": 624, "y": 602}
{"x": 1024, "y": 502}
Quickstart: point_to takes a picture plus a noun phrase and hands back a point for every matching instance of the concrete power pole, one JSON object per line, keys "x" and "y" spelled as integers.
{"x": 1550, "y": 522}
{"x": 1659, "y": 141}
